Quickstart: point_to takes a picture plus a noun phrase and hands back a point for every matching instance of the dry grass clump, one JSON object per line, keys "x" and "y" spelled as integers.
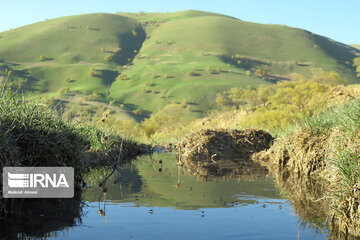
{"x": 223, "y": 143}
{"x": 323, "y": 153}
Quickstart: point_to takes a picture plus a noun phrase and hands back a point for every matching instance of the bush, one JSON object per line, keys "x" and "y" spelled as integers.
{"x": 332, "y": 77}
{"x": 117, "y": 50}
{"x": 261, "y": 72}
{"x": 109, "y": 57}
{"x": 64, "y": 90}
{"x": 190, "y": 74}
{"x": 137, "y": 112}
{"x": 42, "y": 58}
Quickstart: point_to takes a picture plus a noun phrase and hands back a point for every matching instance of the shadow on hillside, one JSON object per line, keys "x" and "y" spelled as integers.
{"x": 130, "y": 44}
{"x": 30, "y": 83}
{"x": 246, "y": 63}
{"x": 107, "y": 76}
{"x": 336, "y": 49}
{"x": 145, "y": 114}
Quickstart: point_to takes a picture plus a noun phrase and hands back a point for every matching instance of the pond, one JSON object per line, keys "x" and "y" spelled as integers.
{"x": 153, "y": 198}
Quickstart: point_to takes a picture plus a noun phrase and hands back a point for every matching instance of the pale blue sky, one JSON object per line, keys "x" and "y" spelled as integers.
{"x": 339, "y": 20}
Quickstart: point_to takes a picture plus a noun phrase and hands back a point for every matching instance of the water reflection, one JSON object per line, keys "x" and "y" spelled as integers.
{"x": 39, "y": 218}
{"x": 154, "y": 197}
{"x": 239, "y": 168}
{"x": 159, "y": 181}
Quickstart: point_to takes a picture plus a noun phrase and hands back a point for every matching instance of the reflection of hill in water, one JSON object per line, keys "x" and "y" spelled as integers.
{"x": 39, "y": 218}
{"x": 142, "y": 183}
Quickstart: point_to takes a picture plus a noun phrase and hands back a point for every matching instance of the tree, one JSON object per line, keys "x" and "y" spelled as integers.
{"x": 190, "y": 74}
{"x": 220, "y": 100}
{"x": 332, "y": 77}
{"x": 261, "y": 72}
{"x": 42, "y": 58}
{"x": 264, "y": 93}
{"x": 109, "y": 57}
{"x": 137, "y": 112}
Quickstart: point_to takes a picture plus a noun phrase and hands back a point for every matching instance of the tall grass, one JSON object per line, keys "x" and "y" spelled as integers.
{"x": 33, "y": 135}
{"x": 332, "y": 139}
{"x": 345, "y": 117}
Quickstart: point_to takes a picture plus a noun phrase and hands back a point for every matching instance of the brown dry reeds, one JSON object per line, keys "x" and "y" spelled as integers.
{"x": 319, "y": 165}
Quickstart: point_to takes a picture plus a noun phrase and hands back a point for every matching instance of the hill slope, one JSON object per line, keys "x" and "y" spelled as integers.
{"x": 355, "y": 46}
{"x": 162, "y": 58}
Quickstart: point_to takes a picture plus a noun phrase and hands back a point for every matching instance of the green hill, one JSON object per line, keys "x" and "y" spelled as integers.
{"x": 150, "y": 60}
{"x": 355, "y": 46}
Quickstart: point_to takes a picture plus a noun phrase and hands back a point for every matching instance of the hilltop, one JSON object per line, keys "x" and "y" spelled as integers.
{"x": 152, "y": 62}
{"x": 355, "y": 46}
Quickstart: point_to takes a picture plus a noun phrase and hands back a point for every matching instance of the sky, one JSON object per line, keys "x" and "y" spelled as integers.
{"x": 335, "y": 19}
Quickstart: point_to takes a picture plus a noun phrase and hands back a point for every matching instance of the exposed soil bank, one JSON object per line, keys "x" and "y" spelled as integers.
{"x": 223, "y": 144}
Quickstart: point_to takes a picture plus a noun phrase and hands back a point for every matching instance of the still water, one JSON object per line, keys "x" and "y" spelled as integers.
{"x": 153, "y": 198}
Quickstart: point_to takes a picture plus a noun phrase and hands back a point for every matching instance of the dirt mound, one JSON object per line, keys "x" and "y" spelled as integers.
{"x": 217, "y": 144}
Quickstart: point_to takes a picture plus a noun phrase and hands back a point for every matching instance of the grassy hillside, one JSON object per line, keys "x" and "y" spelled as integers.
{"x": 355, "y": 46}
{"x": 147, "y": 61}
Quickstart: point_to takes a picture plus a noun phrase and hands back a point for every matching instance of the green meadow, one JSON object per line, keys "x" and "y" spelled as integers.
{"x": 147, "y": 61}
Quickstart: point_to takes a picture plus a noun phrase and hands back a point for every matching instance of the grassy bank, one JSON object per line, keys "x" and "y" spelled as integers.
{"x": 32, "y": 135}
{"x": 320, "y": 160}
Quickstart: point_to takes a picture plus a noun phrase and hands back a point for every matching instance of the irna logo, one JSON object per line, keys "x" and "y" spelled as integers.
{"x": 18, "y": 180}
{"x": 38, "y": 182}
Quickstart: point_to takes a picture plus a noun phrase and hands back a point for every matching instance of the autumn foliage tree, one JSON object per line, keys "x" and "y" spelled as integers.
{"x": 275, "y": 106}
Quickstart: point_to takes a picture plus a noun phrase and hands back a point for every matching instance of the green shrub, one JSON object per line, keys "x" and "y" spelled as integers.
{"x": 137, "y": 112}
{"x": 64, "y": 90}
{"x": 117, "y": 50}
{"x": 42, "y": 58}
{"x": 190, "y": 74}
{"x": 109, "y": 57}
